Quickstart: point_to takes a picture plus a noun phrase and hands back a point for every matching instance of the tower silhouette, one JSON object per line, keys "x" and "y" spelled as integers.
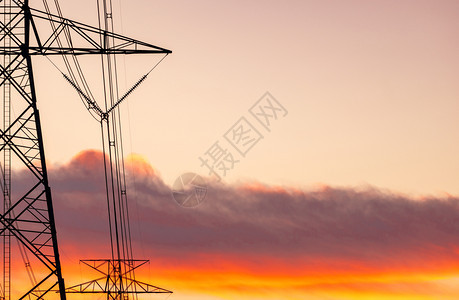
{"x": 28, "y": 215}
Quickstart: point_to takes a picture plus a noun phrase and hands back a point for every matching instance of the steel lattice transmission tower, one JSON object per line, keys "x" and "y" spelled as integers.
{"x": 28, "y": 215}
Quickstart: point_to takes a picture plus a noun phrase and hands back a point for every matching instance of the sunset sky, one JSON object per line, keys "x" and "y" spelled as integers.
{"x": 351, "y": 194}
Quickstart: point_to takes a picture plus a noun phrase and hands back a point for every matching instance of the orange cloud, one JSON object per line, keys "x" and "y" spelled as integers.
{"x": 252, "y": 241}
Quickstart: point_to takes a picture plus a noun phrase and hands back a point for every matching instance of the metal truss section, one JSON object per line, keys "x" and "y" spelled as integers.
{"x": 29, "y": 217}
{"x": 117, "y": 280}
{"x": 82, "y": 38}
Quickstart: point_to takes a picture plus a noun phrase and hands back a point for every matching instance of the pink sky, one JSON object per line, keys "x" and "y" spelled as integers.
{"x": 370, "y": 86}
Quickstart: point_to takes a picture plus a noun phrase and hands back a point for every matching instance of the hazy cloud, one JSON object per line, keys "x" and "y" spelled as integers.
{"x": 344, "y": 227}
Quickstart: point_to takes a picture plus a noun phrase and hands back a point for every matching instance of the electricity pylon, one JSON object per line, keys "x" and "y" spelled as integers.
{"x": 28, "y": 214}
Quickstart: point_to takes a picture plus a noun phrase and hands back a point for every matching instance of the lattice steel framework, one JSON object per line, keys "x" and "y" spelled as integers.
{"x": 116, "y": 281}
{"x": 29, "y": 216}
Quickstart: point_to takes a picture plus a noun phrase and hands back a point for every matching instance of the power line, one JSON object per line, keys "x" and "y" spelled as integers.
{"x": 22, "y": 137}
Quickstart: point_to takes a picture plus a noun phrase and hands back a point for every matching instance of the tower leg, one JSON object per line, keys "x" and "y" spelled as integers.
{"x": 29, "y": 217}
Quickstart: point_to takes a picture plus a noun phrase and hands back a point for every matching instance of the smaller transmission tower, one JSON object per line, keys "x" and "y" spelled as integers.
{"x": 117, "y": 280}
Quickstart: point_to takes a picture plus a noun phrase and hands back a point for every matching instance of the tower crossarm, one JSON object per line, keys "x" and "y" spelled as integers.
{"x": 81, "y": 39}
